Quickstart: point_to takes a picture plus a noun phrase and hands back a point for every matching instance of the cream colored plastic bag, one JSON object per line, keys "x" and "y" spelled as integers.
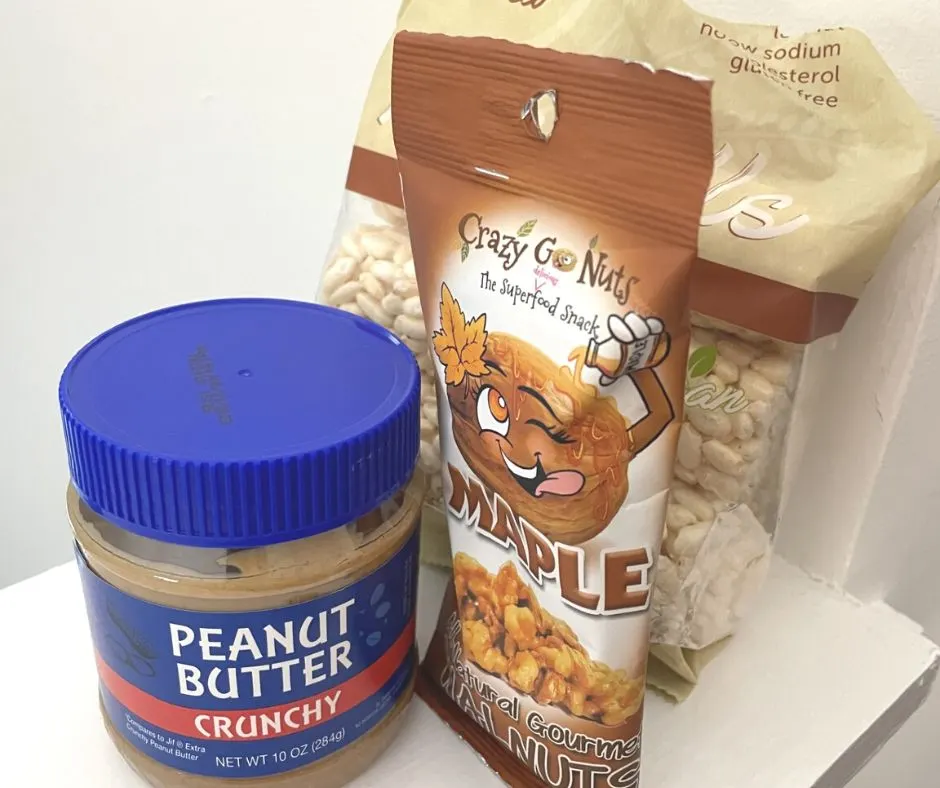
{"x": 819, "y": 156}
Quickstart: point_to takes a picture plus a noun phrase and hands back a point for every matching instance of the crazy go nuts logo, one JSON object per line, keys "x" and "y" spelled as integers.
{"x": 706, "y": 394}
{"x": 592, "y": 268}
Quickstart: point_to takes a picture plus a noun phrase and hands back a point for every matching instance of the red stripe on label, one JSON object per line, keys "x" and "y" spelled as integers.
{"x": 265, "y": 723}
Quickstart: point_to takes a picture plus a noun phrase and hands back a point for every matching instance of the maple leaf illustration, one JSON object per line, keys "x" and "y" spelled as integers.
{"x": 459, "y": 345}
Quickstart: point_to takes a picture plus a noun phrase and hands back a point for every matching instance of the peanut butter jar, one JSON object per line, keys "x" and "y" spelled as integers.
{"x": 245, "y": 509}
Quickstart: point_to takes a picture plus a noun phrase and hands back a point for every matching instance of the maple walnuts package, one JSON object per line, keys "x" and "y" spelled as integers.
{"x": 554, "y": 224}
{"x": 818, "y": 156}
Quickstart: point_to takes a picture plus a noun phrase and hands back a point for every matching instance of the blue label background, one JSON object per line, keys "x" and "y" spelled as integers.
{"x": 133, "y": 637}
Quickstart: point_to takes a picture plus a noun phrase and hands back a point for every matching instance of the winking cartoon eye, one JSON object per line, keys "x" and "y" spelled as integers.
{"x": 492, "y": 411}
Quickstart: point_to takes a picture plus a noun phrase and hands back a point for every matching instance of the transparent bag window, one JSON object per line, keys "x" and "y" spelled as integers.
{"x": 370, "y": 272}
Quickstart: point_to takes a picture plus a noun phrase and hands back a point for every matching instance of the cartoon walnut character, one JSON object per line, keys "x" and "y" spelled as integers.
{"x": 553, "y": 447}
{"x": 564, "y": 260}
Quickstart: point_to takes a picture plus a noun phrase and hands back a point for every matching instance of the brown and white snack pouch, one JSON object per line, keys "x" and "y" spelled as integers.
{"x": 554, "y": 202}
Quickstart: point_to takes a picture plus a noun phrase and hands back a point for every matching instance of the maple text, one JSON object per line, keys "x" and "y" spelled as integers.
{"x": 625, "y": 574}
{"x": 593, "y": 267}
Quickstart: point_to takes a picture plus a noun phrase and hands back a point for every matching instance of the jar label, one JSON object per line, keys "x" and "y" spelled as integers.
{"x": 240, "y": 695}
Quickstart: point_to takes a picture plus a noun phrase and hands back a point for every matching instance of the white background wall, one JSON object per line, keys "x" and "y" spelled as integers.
{"x": 159, "y": 152}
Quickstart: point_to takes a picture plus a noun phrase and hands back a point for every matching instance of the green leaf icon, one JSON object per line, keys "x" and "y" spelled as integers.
{"x": 464, "y": 252}
{"x": 527, "y": 228}
{"x": 702, "y": 361}
{"x": 594, "y": 241}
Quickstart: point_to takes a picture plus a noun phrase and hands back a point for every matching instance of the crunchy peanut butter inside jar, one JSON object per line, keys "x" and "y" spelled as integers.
{"x": 245, "y": 507}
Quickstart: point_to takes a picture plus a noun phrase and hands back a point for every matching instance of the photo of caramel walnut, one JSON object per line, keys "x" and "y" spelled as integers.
{"x": 554, "y": 448}
{"x": 508, "y": 634}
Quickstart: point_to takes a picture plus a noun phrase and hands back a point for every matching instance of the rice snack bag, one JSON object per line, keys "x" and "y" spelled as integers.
{"x": 819, "y": 156}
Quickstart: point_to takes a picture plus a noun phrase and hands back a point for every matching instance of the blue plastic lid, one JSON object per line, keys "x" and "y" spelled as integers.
{"x": 242, "y": 422}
